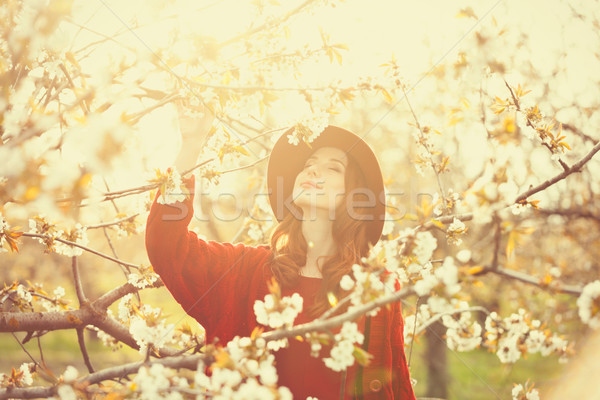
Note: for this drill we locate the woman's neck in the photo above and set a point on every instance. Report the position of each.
(320, 243)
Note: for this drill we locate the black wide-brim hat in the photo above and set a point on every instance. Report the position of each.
(287, 160)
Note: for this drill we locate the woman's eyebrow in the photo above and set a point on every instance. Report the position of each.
(335, 159)
(312, 158)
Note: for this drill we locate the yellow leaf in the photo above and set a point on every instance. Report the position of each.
(466, 13)
(520, 92)
(454, 120)
(527, 230)
(226, 79)
(222, 359)
(361, 356)
(332, 299)
(32, 193)
(474, 270)
(338, 56)
(11, 236)
(388, 97)
(71, 57)
(410, 216)
(437, 223)
(510, 245)
(241, 149)
(256, 332)
(341, 46)
(345, 95)
(547, 279)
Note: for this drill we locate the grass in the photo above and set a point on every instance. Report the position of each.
(479, 374)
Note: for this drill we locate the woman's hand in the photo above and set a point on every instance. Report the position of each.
(194, 131)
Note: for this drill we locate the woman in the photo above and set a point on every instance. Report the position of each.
(329, 199)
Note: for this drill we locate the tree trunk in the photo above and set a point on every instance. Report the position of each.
(436, 361)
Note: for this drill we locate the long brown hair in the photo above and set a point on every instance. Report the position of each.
(349, 234)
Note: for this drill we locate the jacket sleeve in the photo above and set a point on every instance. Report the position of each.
(214, 282)
(401, 383)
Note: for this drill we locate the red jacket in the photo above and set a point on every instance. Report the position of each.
(217, 284)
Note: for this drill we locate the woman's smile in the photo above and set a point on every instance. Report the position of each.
(311, 184)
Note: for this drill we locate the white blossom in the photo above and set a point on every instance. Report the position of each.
(427, 282)
(448, 275)
(508, 351)
(587, 304)
(341, 355)
(151, 381)
(456, 228)
(280, 313)
(463, 256)
(516, 391)
(462, 335)
(76, 235)
(388, 225)
(254, 232)
(59, 292)
(519, 391)
(26, 378)
(3, 228)
(425, 245)
(293, 139)
(275, 345)
(66, 392)
(346, 283)
(142, 278)
(24, 294)
(155, 333)
(70, 374)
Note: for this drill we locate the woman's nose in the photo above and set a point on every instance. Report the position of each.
(313, 170)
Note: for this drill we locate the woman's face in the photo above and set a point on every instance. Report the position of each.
(321, 183)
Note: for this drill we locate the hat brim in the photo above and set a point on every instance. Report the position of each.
(287, 160)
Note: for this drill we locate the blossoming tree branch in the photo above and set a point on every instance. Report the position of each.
(491, 216)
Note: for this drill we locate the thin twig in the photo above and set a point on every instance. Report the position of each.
(83, 348)
(39, 344)
(437, 173)
(497, 239)
(25, 350)
(115, 222)
(77, 279)
(266, 25)
(525, 278)
(40, 236)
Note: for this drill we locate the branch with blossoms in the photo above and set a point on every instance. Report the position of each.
(335, 321)
(568, 171)
(521, 199)
(49, 240)
(534, 119)
(113, 373)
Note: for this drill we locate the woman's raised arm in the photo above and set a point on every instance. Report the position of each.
(214, 282)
